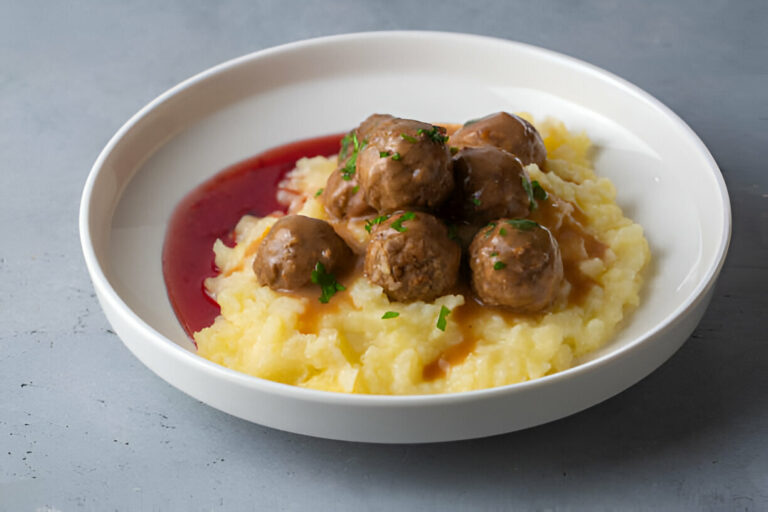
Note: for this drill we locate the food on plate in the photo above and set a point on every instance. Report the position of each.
(516, 263)
(428, 259)
(411, 256)
(506, 131)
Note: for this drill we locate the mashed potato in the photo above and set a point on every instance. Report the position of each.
(348, 347)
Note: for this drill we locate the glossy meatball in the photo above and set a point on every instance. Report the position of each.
(295, 244)
(412, 258)
(516, 263)
(490, 183)
(342, 198)
(405, 165)
(506, 131)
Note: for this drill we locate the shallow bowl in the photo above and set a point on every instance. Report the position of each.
(665, 177)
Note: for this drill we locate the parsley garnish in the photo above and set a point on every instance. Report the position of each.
(408, 138)
(327, 282)
(345, 144)
(355, 189)
(475, 201)
(452, 232)
(390, 314)
(538, 191)
(529, 190)
(491, 226)
(372, 222)
(503, 232)
(444, 312)
(349, 167)
(319, 191)
(436, 134)
(384, 154)
(454, 150)
(494, 254)
(398, 224)
(396, 156)
(499, 265)
(523, 224)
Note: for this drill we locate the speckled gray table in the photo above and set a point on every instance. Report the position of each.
(84, 426)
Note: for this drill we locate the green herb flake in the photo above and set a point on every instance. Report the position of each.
(436, 134)
(328, 284)
(349, 167)
(523, 224)
(372, 222)
(454, 150)
(397, 156)
(408, 138)
(494, 254)
(491, 226)
(475, 201)
(499, 265)
(319, 192)
(453, 232)
(384, 154)
(398, 224)
(503, 232)
(390, 314)
(529, 190)
(345, 144)
(355, 189)
(538, 191)
(441, 322)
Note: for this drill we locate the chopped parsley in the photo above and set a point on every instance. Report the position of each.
(355, 189)
(384, 154)
(491, 226)
(345, 145)
(396, 156)
(390, 314)
(408, 138)
(529, 190)
(494, 254)
(327, 282)
(319, 191)
(503, 232)
(444, 312)
(398, 224)
(454, 150)
(452, 232)
(523, 224)
(349, 167)
(499, 265)
(538, 191)
(372, 222)
(436, 134)
(475, 201)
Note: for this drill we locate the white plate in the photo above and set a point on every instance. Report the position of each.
(666, 180)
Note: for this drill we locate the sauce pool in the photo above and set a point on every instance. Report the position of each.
(212, 210)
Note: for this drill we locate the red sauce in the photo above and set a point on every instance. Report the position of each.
(212, 210)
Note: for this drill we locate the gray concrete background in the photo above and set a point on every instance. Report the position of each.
(84, 426)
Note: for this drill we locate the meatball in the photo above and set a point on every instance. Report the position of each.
(516, 263)
(405, 164)
(490, 183)
(411, 256)
(295, 244)
(343, 198)
(506, 131)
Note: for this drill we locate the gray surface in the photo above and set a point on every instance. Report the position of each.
(84, 426)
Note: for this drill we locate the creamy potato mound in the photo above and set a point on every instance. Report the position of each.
(352, 349)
